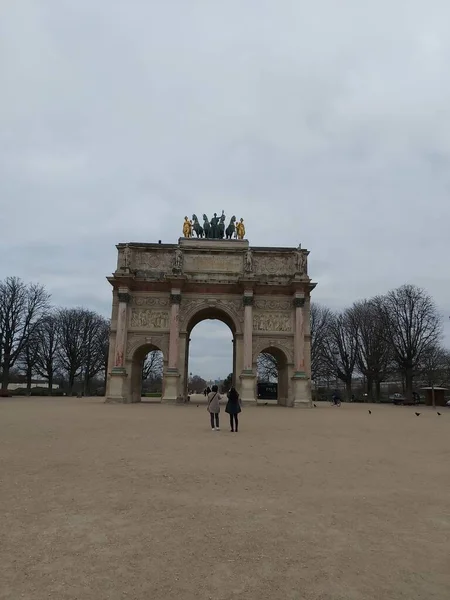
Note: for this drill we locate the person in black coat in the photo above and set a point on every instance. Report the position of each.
(233, 408)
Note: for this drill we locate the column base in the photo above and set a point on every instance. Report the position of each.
(247, 378)
(171, 386)
(117, 389)
(301, 390)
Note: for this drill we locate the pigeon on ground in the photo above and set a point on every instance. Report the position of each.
(197, 405)
(439, 414)
(265, 403)
(370, 412)
(315, 406)
(417, 414)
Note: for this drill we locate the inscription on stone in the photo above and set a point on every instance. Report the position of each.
(272, 322)
(211, 263)
(149, 301)
(269, 304)
(151, 319)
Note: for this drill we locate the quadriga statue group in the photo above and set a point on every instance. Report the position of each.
(214, 229)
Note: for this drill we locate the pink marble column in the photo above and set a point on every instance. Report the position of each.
(121, 332)
(174, 339)
(299, 335)
(248, 332)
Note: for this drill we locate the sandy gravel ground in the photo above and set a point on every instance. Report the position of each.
(145, 502)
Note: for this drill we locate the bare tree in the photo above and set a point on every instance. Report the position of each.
(413, 326)
(21, 308)
(153, 365)
(197, 384)
(227, 383)
(78, 354)
(341, 347)
(321, 317)
(96, 342)
(374, 354)
(48, 348)
(103, 347)
(267, 367)
(28, 358)
(434, 365)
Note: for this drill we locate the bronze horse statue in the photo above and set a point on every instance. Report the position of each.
(197, 227)
(231, 229)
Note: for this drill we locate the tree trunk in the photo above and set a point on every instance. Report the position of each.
(378, 390)
(29, 377)
(348, 389)
(5, 376)
(71, 383)
(370, 388)
(409, 384)
(50, 382)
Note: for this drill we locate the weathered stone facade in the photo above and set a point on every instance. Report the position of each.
(161, 291)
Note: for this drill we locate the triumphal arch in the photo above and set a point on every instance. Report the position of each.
(161, 291)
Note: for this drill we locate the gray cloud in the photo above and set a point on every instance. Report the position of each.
(324, 123)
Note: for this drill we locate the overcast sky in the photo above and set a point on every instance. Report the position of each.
(325, 123)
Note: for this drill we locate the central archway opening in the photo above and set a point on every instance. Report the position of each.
(272, 376)
(210, 353)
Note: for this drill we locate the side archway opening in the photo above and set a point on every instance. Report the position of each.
(147, 373)
(272, 376)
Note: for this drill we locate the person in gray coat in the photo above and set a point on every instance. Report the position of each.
(214, 407)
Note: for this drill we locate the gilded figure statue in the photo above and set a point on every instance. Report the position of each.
(187, 228)
(240, 229)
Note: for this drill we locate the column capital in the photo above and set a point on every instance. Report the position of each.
(248, 300)
(175, 298)
(123, 297)
(299, 301)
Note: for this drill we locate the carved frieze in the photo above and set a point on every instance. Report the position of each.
(272, 304)
(272, 321)
(150, 319)
(213, 263)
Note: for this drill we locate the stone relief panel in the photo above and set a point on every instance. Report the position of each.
(273, 304)
(149, 301)
(284, 344)
(136, 341)
(211, 263)
(273, 265)
(272, 321)
(150, 319)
